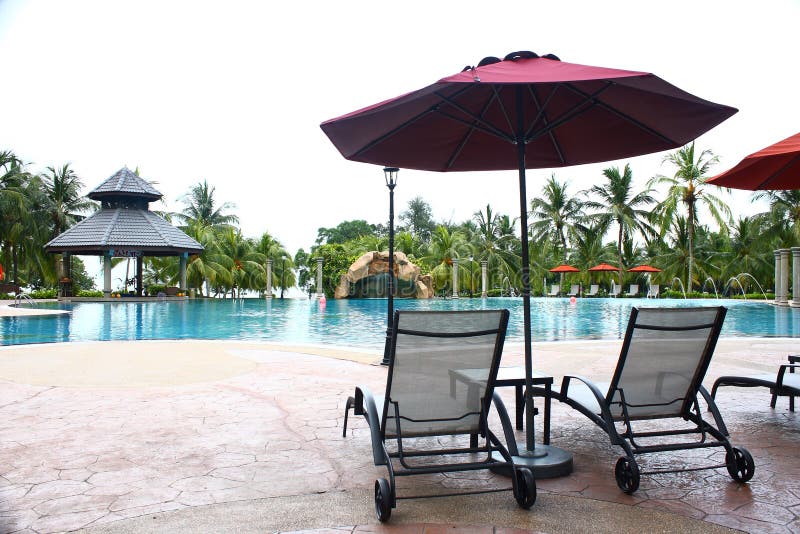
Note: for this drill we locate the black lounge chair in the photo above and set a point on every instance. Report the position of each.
(422, 402)
(782, 384)
(664, 357)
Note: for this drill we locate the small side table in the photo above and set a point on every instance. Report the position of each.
(512, 376)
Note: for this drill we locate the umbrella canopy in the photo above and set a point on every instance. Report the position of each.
(565, 269)
(525, 111)
(603, 267)
(560, 113)
(644, 269)
(774, 167)
(2, 275)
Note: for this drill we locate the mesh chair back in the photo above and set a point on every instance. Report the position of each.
(442, 371)
(664, 359)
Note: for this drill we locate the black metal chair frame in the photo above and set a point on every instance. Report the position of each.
(494, 453)
(776, 386)
(738, 461)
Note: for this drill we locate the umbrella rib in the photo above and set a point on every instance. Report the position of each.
(463, 142)
(777, 173)
(543, 116)
(618, 113)
(402, 126)
(482, 126)
(586, 105)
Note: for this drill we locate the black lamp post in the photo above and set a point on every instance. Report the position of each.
(390, 173)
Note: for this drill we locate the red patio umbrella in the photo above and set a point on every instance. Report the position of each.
(644, 269)
(521, 112)
(603, 267)
(774, 167)
(2, 275)
(564, 269)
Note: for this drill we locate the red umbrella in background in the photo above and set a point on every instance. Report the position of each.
(644, 269)
(521, 112)
(564, 269)
(603, 267)
(774, 167)
(2, 275)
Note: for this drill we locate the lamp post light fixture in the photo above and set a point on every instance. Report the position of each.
(390, 174)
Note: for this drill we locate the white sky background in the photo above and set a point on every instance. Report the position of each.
(234, 92)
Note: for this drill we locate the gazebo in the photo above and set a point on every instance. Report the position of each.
(123, 227)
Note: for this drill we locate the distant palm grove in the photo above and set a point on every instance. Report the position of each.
(611, 222)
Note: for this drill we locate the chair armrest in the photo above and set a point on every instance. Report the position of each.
(505, 422)
(605, 413)
(365, 405)
(794, 358)
(782, 371)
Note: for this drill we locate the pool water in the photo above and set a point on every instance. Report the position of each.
(357, 323)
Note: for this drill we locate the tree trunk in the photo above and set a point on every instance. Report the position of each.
(691, 245)
(619, 253)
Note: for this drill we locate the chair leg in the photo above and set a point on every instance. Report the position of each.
(347, 407)
(775, 399)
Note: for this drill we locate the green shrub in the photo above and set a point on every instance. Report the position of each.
(43, 293)
(88, 293)
(155, 289)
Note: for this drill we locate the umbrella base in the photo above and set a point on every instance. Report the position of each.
(545, 461)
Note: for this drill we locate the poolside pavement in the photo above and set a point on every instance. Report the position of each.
(196, 436)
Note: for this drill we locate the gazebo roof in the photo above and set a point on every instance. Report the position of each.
(125, 183)
(127, 230)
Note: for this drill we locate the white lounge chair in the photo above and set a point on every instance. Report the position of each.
(574, 290)
(652, 293)
(633, 291)
(593, 290)
(555, 289)
(615, 290)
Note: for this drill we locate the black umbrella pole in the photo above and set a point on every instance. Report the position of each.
(390, 281)
(530, 443)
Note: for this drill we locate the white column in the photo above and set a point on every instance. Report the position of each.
(107, 276)
(777, 254)
(784, 277)
(795, 302)
(320, 292)
(484, 279)
(455, 278)
(183, 258)
(269, 279)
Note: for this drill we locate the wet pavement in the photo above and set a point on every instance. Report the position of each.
(255, 439)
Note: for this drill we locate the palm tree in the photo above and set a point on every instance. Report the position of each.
(494, 243)
(555, 214)
(618, 204)
(686, 187)
(63, 189)
(750, 252)
(201, 207)
(246, 265)
(283, 275)
(784, 213)
(444, 248)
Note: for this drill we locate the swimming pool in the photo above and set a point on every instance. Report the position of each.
(358, 323)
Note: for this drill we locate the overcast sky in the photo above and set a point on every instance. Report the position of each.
(234, 92)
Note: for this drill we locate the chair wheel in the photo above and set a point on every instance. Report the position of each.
(627, 474)
(740, 464)
(526, 488)
(383, 500)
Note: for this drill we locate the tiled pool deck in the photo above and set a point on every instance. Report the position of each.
(131, 437)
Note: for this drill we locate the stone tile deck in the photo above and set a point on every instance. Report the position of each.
(172, 454)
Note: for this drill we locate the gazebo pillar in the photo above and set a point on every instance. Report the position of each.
(183, 257)
(269, 279)
(455, 278)
(777, 254)
(484, 279)
(320, 292)
(139, 274)
(784, 300)
(107, 275)
(795, 302)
